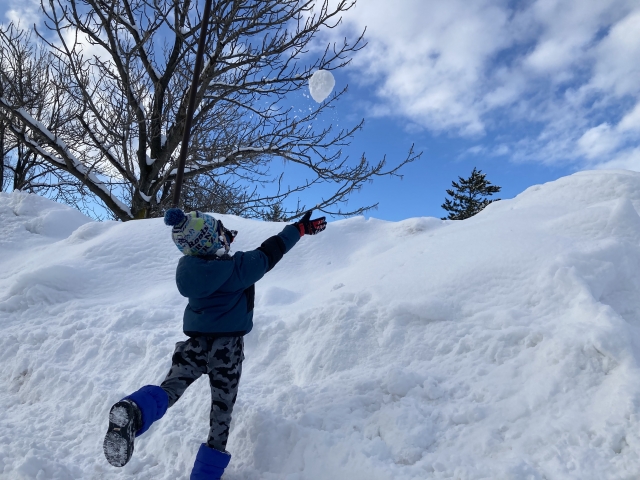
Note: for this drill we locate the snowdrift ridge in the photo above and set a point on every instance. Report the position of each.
(502, 346)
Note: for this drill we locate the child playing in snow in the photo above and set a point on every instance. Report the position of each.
(220, 289)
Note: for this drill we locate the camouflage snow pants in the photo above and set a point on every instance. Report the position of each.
(221, 359)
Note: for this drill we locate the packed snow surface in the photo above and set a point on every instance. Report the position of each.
(504, 346)
(321, 85)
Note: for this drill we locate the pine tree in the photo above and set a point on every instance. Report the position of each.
(469, 196)
(275, 214)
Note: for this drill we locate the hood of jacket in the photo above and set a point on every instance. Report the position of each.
(200, 277)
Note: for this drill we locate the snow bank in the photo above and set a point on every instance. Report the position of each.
(503, 346)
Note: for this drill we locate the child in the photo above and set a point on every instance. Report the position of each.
(221, 291)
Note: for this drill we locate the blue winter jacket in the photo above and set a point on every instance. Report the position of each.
(221, 290)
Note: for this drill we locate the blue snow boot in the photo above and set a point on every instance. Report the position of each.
(130, 417)
(210, 463)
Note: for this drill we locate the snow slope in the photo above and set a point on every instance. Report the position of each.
(504, 346)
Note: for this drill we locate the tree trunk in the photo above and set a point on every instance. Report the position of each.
(3, 129)
(19, 171)
(2, 154)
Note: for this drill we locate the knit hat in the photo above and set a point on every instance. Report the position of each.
(195, 233)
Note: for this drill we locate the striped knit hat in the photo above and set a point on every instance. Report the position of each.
(195, 233)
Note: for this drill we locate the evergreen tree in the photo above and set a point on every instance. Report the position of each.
(275, 214)
(469, 196)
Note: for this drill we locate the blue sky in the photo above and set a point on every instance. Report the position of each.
(526, 91)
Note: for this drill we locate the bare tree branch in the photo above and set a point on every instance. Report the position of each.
(120, 71)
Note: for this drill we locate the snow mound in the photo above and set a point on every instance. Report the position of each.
(321, 85)
(503, 346)
(24, 214)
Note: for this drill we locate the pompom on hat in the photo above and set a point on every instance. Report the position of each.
(195, 233)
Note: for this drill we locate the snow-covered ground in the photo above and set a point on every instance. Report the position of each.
(505, 346)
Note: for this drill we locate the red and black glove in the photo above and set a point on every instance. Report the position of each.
(306, 226)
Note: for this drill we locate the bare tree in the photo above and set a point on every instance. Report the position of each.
(123, 70)
(5, 151)
(25, 82)
(21, 71)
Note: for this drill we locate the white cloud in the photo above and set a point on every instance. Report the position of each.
(631, 121)
(502, 149)
(568, 67)
(617, 67)
(428, 56)
(599, 141)
(25, 13)
(628, 159)
(613, 142)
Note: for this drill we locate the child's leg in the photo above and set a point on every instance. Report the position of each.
(225, 367)
(130, 418)
(189, 362)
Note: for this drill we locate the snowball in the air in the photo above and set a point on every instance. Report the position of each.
(321, 85)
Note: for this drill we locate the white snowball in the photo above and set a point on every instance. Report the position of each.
(321, 85)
